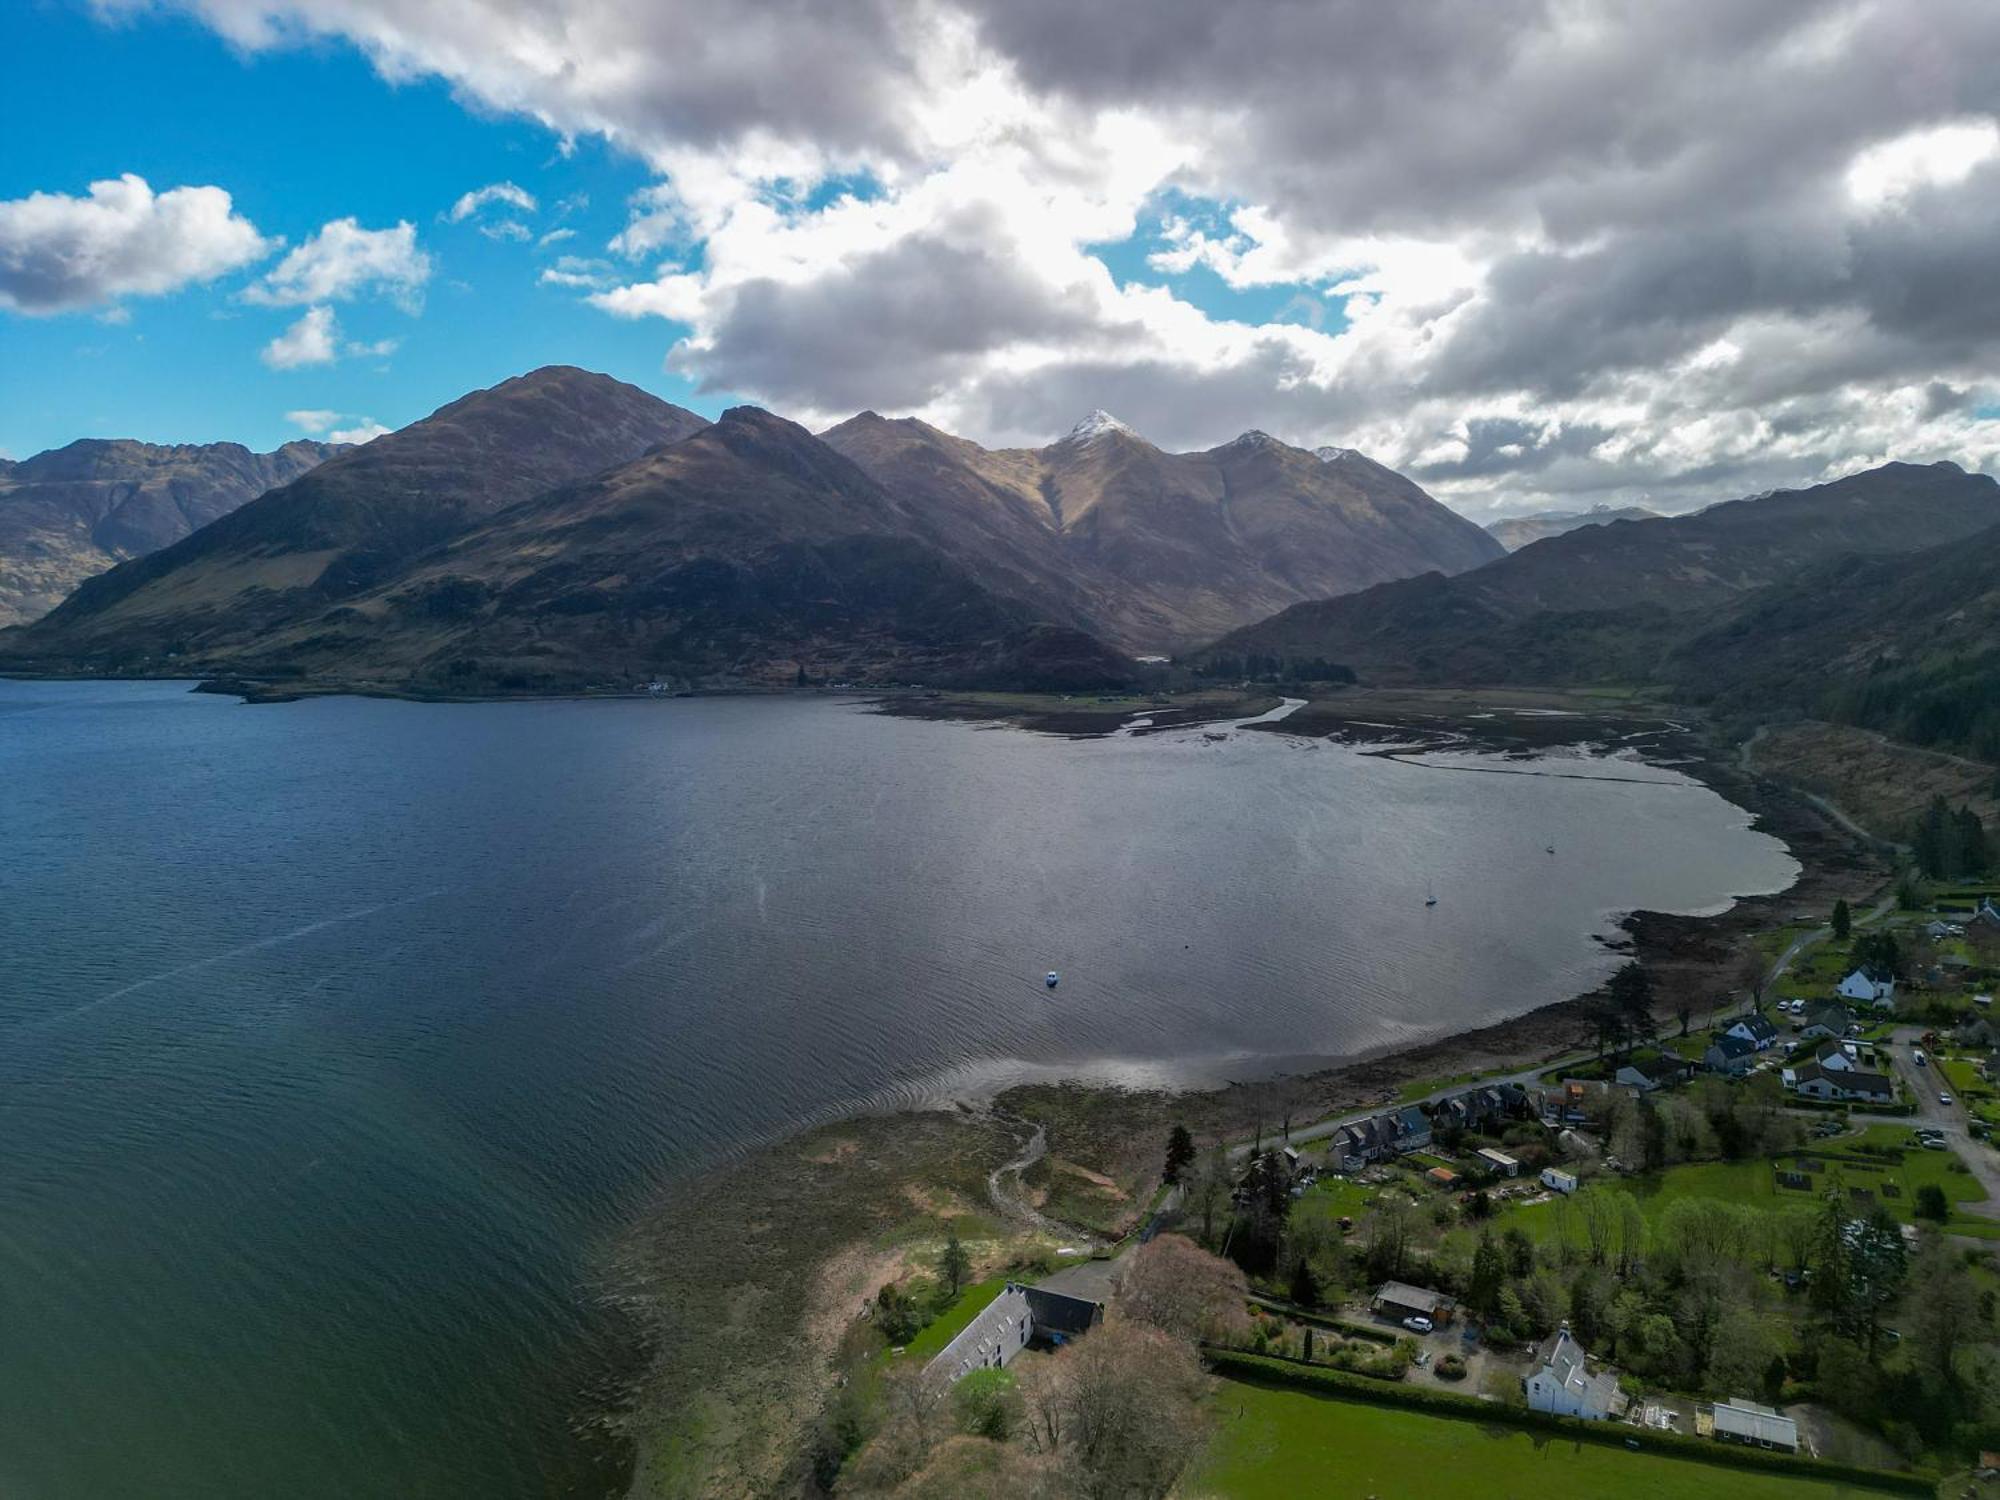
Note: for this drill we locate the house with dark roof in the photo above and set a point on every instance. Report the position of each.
(1868, 990)
(1756, 1029)
(1729, 1054)
(1399, 1300)
(1814, 1080)
(1827, 1018)
(1020, 1317)
(1413, 1130)
(1649, 1073)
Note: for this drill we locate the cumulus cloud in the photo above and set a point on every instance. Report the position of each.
(508, 193)
(577, 271)
(1568, 253)
(313, 340)
(318, 422)
(342, 261)
(59, 253)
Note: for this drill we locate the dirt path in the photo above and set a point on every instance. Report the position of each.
(1013, 1201)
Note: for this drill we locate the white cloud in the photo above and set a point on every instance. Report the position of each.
(312, 420)
(344, 260)
(507, 229)
(366, 430)
(1570, 252)
(576, 271)
(313, 340)
(1941, 156)
(470, 203)
(555, 237)
(59, 253)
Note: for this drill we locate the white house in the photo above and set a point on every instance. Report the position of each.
(1817, 1081)
(1561, 1382)
(1880, 993)
(1558, 1181)
(1757, 1030)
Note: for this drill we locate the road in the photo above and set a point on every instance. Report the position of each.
(1925, 1085)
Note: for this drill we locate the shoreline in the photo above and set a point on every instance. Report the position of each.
(884, 1183)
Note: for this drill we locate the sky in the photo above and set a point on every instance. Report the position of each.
(1536, 255)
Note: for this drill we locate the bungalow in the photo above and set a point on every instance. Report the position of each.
(1647, 1074)
(1740, 1421)
(1827, 1018)
(1937, 930)
(1398, 1300)
(1987, 911)
(1019, 1316)
(1864, 987)
(1815, 1081)
(1560, 1381)
(1559, 1181)
(1498, 1162)
(1729, 1054)
(1755, 1029)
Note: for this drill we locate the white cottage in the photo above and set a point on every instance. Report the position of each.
(1561, 1382)
(1861, 986)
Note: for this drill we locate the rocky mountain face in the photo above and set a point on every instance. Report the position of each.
(1516, 532)
(1613, 603)
(1158, 550)
(563, 530)
(354, 521)
(71, 513)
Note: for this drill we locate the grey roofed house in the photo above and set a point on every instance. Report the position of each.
(1019, 1316)
(1413, 1130)
(1827, 1018)
(1647, 1074)
(1729, 1054)
(1560, 1381)
(1819, 1082)
(1740, 1421)
(1755, 1027)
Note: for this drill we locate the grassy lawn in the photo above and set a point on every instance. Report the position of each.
(1961, 1075)
(1755, 1183)
(1335, 1197)
(1282, 1443)
(950, 1323)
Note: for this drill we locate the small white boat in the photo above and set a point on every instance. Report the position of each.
(1052, 979)
(1430, 894)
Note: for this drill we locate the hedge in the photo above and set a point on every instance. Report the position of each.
(1263, 1370)
(1321, 1320)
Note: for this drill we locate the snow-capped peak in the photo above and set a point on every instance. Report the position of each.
(1331, 455)
(1098, 424)
(1256, 437)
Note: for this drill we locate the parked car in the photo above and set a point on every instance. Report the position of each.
(1418, 1323)
(1944, 1099)
(1917, 1056)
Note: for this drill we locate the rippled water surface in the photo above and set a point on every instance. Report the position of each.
(335, 1036)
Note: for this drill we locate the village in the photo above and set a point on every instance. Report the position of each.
(1764, 1241)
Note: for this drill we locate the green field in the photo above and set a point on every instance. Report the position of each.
(1755, 1183)
(948, 1324)
(1284, 1443)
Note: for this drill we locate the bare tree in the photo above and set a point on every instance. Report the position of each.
(1174, 1285)
(1121, 1411)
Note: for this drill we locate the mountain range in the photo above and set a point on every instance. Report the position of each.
(73, 512)
(1515, 532)
(1883, 582)
(563, 529)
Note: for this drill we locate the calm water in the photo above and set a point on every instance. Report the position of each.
(335, 1036)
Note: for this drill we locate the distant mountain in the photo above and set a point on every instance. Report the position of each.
(562, 530)
(1515, 532)
(1906, 644)
(73, 512)
(1605, 603)
(353, 522)
(1157, 550)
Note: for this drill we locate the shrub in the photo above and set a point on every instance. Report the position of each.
(1450, 1367)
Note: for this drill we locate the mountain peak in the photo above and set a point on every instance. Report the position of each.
(1334, 455)
(1098, 424)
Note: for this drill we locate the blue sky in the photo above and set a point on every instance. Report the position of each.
(297, 137)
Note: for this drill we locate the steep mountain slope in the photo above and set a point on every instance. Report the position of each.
(1515, 532)
(1909, 645)
(353, 521)
(73, 512)
(1161, 549)
(749, 552)
(1608, 602)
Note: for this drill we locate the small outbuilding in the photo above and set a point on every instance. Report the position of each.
(1396, 1299)
(1559, 1181)
(1498, 1162)
(1740, 1421)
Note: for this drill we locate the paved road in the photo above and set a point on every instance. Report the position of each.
(1926, 1084)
